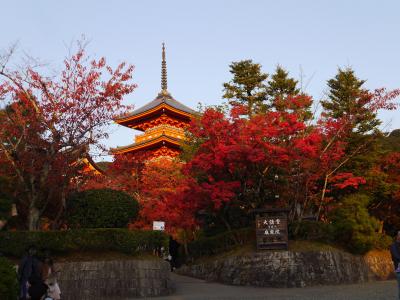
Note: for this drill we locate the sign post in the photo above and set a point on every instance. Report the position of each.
(271, 229)
(159, 225)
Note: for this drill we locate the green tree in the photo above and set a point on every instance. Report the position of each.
(346, 98)
(354, 227)
(248, 86)
(279, 90)
(102, 208)
(281, 85)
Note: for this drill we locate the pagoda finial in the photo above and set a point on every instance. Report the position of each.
(163, 71)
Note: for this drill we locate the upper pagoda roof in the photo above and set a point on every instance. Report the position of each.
(162, 98)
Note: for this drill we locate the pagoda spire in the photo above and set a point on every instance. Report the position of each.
(164, 85)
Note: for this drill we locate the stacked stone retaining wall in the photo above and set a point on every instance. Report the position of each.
(114, 279)
(294, 269)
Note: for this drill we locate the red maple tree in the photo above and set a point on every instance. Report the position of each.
(49, 122)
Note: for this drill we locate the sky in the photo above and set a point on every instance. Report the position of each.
(309, 38)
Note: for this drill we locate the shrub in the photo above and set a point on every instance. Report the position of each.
(8, 280)
(103, 208)
(311, 231)
(220, 243)
(14, 243)
(354, 228)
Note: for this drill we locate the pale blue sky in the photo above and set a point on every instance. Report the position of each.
(204, 37)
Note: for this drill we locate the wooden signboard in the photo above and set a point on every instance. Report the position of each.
(272, 229)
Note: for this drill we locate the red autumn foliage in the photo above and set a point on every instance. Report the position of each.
(50, 122)
(164, 196)
(344, 180)
(246, 162)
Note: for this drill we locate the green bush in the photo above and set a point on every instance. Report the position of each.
(14, 243)
(103, 208)
(354, 228)
(220, 243)
(311, 231)
(8, 280)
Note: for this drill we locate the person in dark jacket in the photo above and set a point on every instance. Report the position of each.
(173, 252)
(28, 267)
(37, 288)
(395, 252)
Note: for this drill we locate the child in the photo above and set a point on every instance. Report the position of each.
(54, 290)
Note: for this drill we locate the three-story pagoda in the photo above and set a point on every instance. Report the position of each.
(162, 122)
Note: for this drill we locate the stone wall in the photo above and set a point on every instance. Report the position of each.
(294, 269)
(114, 279)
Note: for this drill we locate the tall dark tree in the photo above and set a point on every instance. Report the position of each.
(281, 85)
(248, 86)
(349, 101)
(280, 88)
(347, 98)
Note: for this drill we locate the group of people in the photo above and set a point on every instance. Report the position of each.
(37, 277)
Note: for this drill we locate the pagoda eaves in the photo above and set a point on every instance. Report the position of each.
(163, 104)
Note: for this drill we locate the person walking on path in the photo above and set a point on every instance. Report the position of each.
(395, 252)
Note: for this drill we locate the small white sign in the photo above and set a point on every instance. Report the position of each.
(159, 225)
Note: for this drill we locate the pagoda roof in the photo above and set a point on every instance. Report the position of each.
(146, 144)
(163, 99)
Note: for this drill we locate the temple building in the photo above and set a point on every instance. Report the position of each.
(162, 122)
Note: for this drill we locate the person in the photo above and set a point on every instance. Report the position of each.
(49, 277)
(37, 288)
(28, 270)
(395, 252)
(53, 291)
(174, 252)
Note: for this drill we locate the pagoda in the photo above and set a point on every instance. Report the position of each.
(162, 122)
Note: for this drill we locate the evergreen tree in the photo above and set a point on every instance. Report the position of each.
(280, 87)
(346, 98)
(248, 86)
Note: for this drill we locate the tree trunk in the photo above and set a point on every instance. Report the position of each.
(33, 219)
(185, 244)
(228, 226)
(322, 197)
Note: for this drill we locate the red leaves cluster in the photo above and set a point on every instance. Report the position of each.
(239, 156)
(165, 195)
(344, 180)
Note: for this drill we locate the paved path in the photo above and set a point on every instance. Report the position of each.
(190, 288)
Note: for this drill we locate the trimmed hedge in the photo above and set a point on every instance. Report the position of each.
(8, 280)
(102, 208)
(220, 243)
(15, 243)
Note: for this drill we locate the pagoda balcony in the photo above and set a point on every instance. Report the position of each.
(160, 130)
